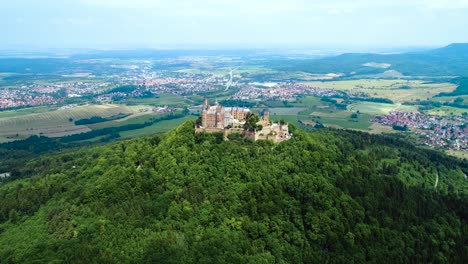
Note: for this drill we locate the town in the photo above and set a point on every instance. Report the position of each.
(438, 131)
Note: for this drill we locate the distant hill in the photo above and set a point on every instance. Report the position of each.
(453, 50)
(451, 60)
(181, 197)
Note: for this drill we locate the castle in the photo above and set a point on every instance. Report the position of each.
(229, 120)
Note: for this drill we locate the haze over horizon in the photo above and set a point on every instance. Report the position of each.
(123, 24)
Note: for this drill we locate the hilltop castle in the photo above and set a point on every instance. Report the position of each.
(231, 120)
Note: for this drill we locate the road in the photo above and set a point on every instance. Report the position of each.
(229, 83)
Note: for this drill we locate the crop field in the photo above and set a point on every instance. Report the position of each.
(396, 90)
(56, 123)
(26, 111)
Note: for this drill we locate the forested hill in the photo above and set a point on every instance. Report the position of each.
(325, 196)
(451, 60)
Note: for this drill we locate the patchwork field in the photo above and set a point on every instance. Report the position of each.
(396, 90)
(56, 123)
(26, 111)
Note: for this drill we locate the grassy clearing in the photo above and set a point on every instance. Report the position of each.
(395, 90)
(457, 153)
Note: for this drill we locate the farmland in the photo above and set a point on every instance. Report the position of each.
(120, 93)
(56, 123)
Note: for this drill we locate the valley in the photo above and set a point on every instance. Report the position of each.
(139, 87)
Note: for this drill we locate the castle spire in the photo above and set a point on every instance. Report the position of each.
(205, 102)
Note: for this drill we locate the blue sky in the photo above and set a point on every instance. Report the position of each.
(112, 24)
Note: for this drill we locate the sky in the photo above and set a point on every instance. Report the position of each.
(127, 24)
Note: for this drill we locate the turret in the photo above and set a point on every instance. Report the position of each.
(266, 116)
(205, 103)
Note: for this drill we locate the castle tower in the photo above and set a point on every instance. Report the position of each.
(204, 118)
(219, 119)
(266, 116)
(205, 104)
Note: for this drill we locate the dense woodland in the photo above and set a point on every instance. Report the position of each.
(323, 196)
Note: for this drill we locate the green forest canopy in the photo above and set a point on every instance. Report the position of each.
(181, 197)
